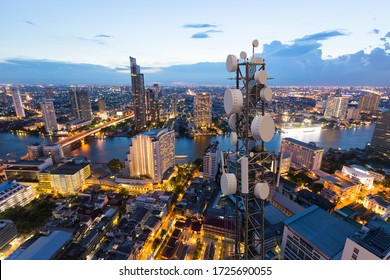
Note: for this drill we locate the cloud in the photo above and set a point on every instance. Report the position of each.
(29, 22)
(325, 35)
(102, 36)
(96, 41)
(200, 36)
(387, 35)
(200, 25)
(375, 31)
(213, 31)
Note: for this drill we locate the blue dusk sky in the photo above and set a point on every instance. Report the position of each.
(304, 42)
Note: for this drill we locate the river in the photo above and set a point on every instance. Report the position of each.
(103, 150)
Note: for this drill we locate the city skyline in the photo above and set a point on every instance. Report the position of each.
(177, 43)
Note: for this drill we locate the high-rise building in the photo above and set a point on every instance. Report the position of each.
(14, 194)
(17, 100)
(48, 93)
(306, 155)
(152, 108)
(210, 161)
(173, 112)
(49, 115)
(3, 96)
(369, 103)
(336, 107)
(81, 104)
(8, 232)
(151, 154)
(138, 89)
(35, 151)
(353, 113)
(54, 151)
(202, 110)
(381, 138)
(372, 242)
(314, 234)
(102, 105)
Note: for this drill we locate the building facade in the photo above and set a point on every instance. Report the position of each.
(336, 107)
(210, 161)
(314, 234)
(202, 110)
(139, 98)
(17, 100)
(81, 104)
(369, 103)
(151, 154)
(303, 154)
(54, 151)
(14, 194)
(381, 138)
(49, 115)
(8, 232)
(70, 177)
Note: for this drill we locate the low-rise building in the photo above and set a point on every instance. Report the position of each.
(377, 204)
(14, 194)
(8, 232)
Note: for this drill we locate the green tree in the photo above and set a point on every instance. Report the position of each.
(115, 164)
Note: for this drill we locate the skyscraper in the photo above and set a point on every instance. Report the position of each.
(81, 104)
(152, 112)
(151, 154)
(336, 107)
(3, 96)
(369, 103)
(17, 100)
(138, 89)
(381, 139)
(49, 115)
(102, 105)
(54, 151)
(210, 161)
(202, 110)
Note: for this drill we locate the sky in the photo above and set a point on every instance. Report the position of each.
(304, 42)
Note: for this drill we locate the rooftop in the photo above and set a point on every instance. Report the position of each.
(69, 168)
(46, 247)
(303, 144)
(321, 229)
(7, 184)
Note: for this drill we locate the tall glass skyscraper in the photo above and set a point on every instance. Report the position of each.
(17, 100)
(138, 89)
(49, 115)
(81, 104)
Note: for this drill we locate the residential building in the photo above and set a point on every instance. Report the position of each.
(102, 105)
(81, 104)
(353, 114)
(17, 100)
(8, 232)
(49, 115)
(369, 103)
(139, 98)
(377, 204)
(381, 138)
(151, 154)
(70, 177)
(314, 234)
(336, 107)
(202, 110)
(15, 194)
(3, 97)
(210, 161)
(344, 186)
(54, 151)
(370, 243)
(306, 155)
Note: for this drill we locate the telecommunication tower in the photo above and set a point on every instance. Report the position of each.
(249, 171)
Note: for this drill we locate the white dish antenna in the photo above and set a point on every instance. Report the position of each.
(263, 128)
(231, 63)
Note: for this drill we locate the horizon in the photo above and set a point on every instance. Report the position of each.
(303, 43)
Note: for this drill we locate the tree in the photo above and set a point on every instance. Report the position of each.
(115, 164)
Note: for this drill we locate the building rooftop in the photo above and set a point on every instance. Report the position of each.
(303, 144)
(287, 203)
(45, 248)
(321, 229)
(6, 185)
(69, 168)
(379, 200)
